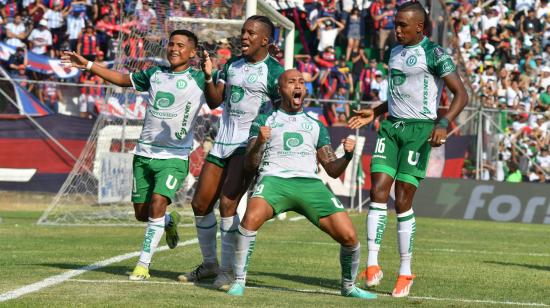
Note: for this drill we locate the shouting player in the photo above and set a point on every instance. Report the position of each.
(248, 86)
(419, 69)
(286, 145)
(160, 162)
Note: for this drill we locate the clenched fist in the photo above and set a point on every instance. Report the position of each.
(349, 145)
(264, 134)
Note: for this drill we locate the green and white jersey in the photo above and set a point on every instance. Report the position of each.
(250, 89)
(415, 79)
(173, 104)
(292, 149)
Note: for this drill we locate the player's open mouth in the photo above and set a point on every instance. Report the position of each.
(297, 97)
(244, 46)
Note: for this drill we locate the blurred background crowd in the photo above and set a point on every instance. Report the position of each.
(503, 48)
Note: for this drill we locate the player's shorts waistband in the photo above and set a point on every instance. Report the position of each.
(410, 121)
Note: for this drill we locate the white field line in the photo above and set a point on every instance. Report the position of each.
(322, 291)
(57, 279)
(465, 251)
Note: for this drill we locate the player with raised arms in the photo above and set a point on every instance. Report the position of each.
(419, 69)
(248, 86)
(160, 163)
(286, 145)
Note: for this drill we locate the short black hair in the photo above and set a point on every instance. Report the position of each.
(415, 7)
(190, 35)
(266, 21)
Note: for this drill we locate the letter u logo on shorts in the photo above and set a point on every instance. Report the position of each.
(171, 182)
(410, 158)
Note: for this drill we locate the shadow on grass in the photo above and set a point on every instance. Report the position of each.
(312, 281)
(531, 266)
(114, 270)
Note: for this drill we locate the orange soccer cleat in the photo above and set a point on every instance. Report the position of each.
(372, 275)
(403, 286)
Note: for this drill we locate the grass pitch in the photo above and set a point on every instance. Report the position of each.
(457, 264)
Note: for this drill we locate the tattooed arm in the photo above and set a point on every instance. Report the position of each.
(336, 166)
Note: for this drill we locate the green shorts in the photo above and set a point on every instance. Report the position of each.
(222, 162)
(157, 176)
(402, 149)
(307, 196)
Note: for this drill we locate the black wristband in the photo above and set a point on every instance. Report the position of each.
(348, 155)
(443, 123)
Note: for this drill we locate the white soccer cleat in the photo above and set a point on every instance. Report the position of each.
(223, 281)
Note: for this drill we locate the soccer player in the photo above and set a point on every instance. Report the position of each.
(419, 69)
(248, 86)
(160, 164)
(286, 146)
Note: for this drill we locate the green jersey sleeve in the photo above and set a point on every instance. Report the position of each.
(274, 71)
(198, 76)
(142, 80)
(255, 127)
(324, 137)
(221, 76)
(441, 64)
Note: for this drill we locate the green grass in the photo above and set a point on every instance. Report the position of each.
(294, 264)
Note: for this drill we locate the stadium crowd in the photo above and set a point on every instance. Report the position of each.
(503, 46)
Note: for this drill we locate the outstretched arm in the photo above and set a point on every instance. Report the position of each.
(73, 59)
(332, 165)
(365, 116)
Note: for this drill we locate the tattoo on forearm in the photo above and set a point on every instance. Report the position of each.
(326, 154)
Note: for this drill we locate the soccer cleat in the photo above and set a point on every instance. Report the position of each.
(223, 281)
(403, 286)
(358, 293)
(139, 273)
(172, 237)
(374, 275)
(236, 289)
(201, 272)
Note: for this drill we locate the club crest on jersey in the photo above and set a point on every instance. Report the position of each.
(252, 78)
(181, 84)
(411, 60)
(307, 126)
(237, 94)
(292, 140)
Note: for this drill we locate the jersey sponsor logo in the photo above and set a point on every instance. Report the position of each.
(237, 94)
(155, 79)
(397, 77)
(163, 100)
(183, 131)
(411, 60)
(413, 160)
(292, 140)
(448, 67)
(181, 84)
(252, 78)
(439, 52)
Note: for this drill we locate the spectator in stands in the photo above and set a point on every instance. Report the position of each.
(105, 28)
(41, 40)
(75, 25)
(327, 30)
(91, 95)
(87, 44)
(354, 31)
(55, 22)
(50, 94)
(16, 32)
(386, 23)
(380, 84)
(18, 60)
(309, 71)
(514, 174)
(146, 17)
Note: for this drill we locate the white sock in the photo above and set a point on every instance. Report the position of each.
(349, 262)
(406, 227)
(228, 229)
(206, 233)
(376, 224)
(153, 234)
(246, 240)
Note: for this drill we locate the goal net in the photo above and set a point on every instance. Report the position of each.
(98, 189)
